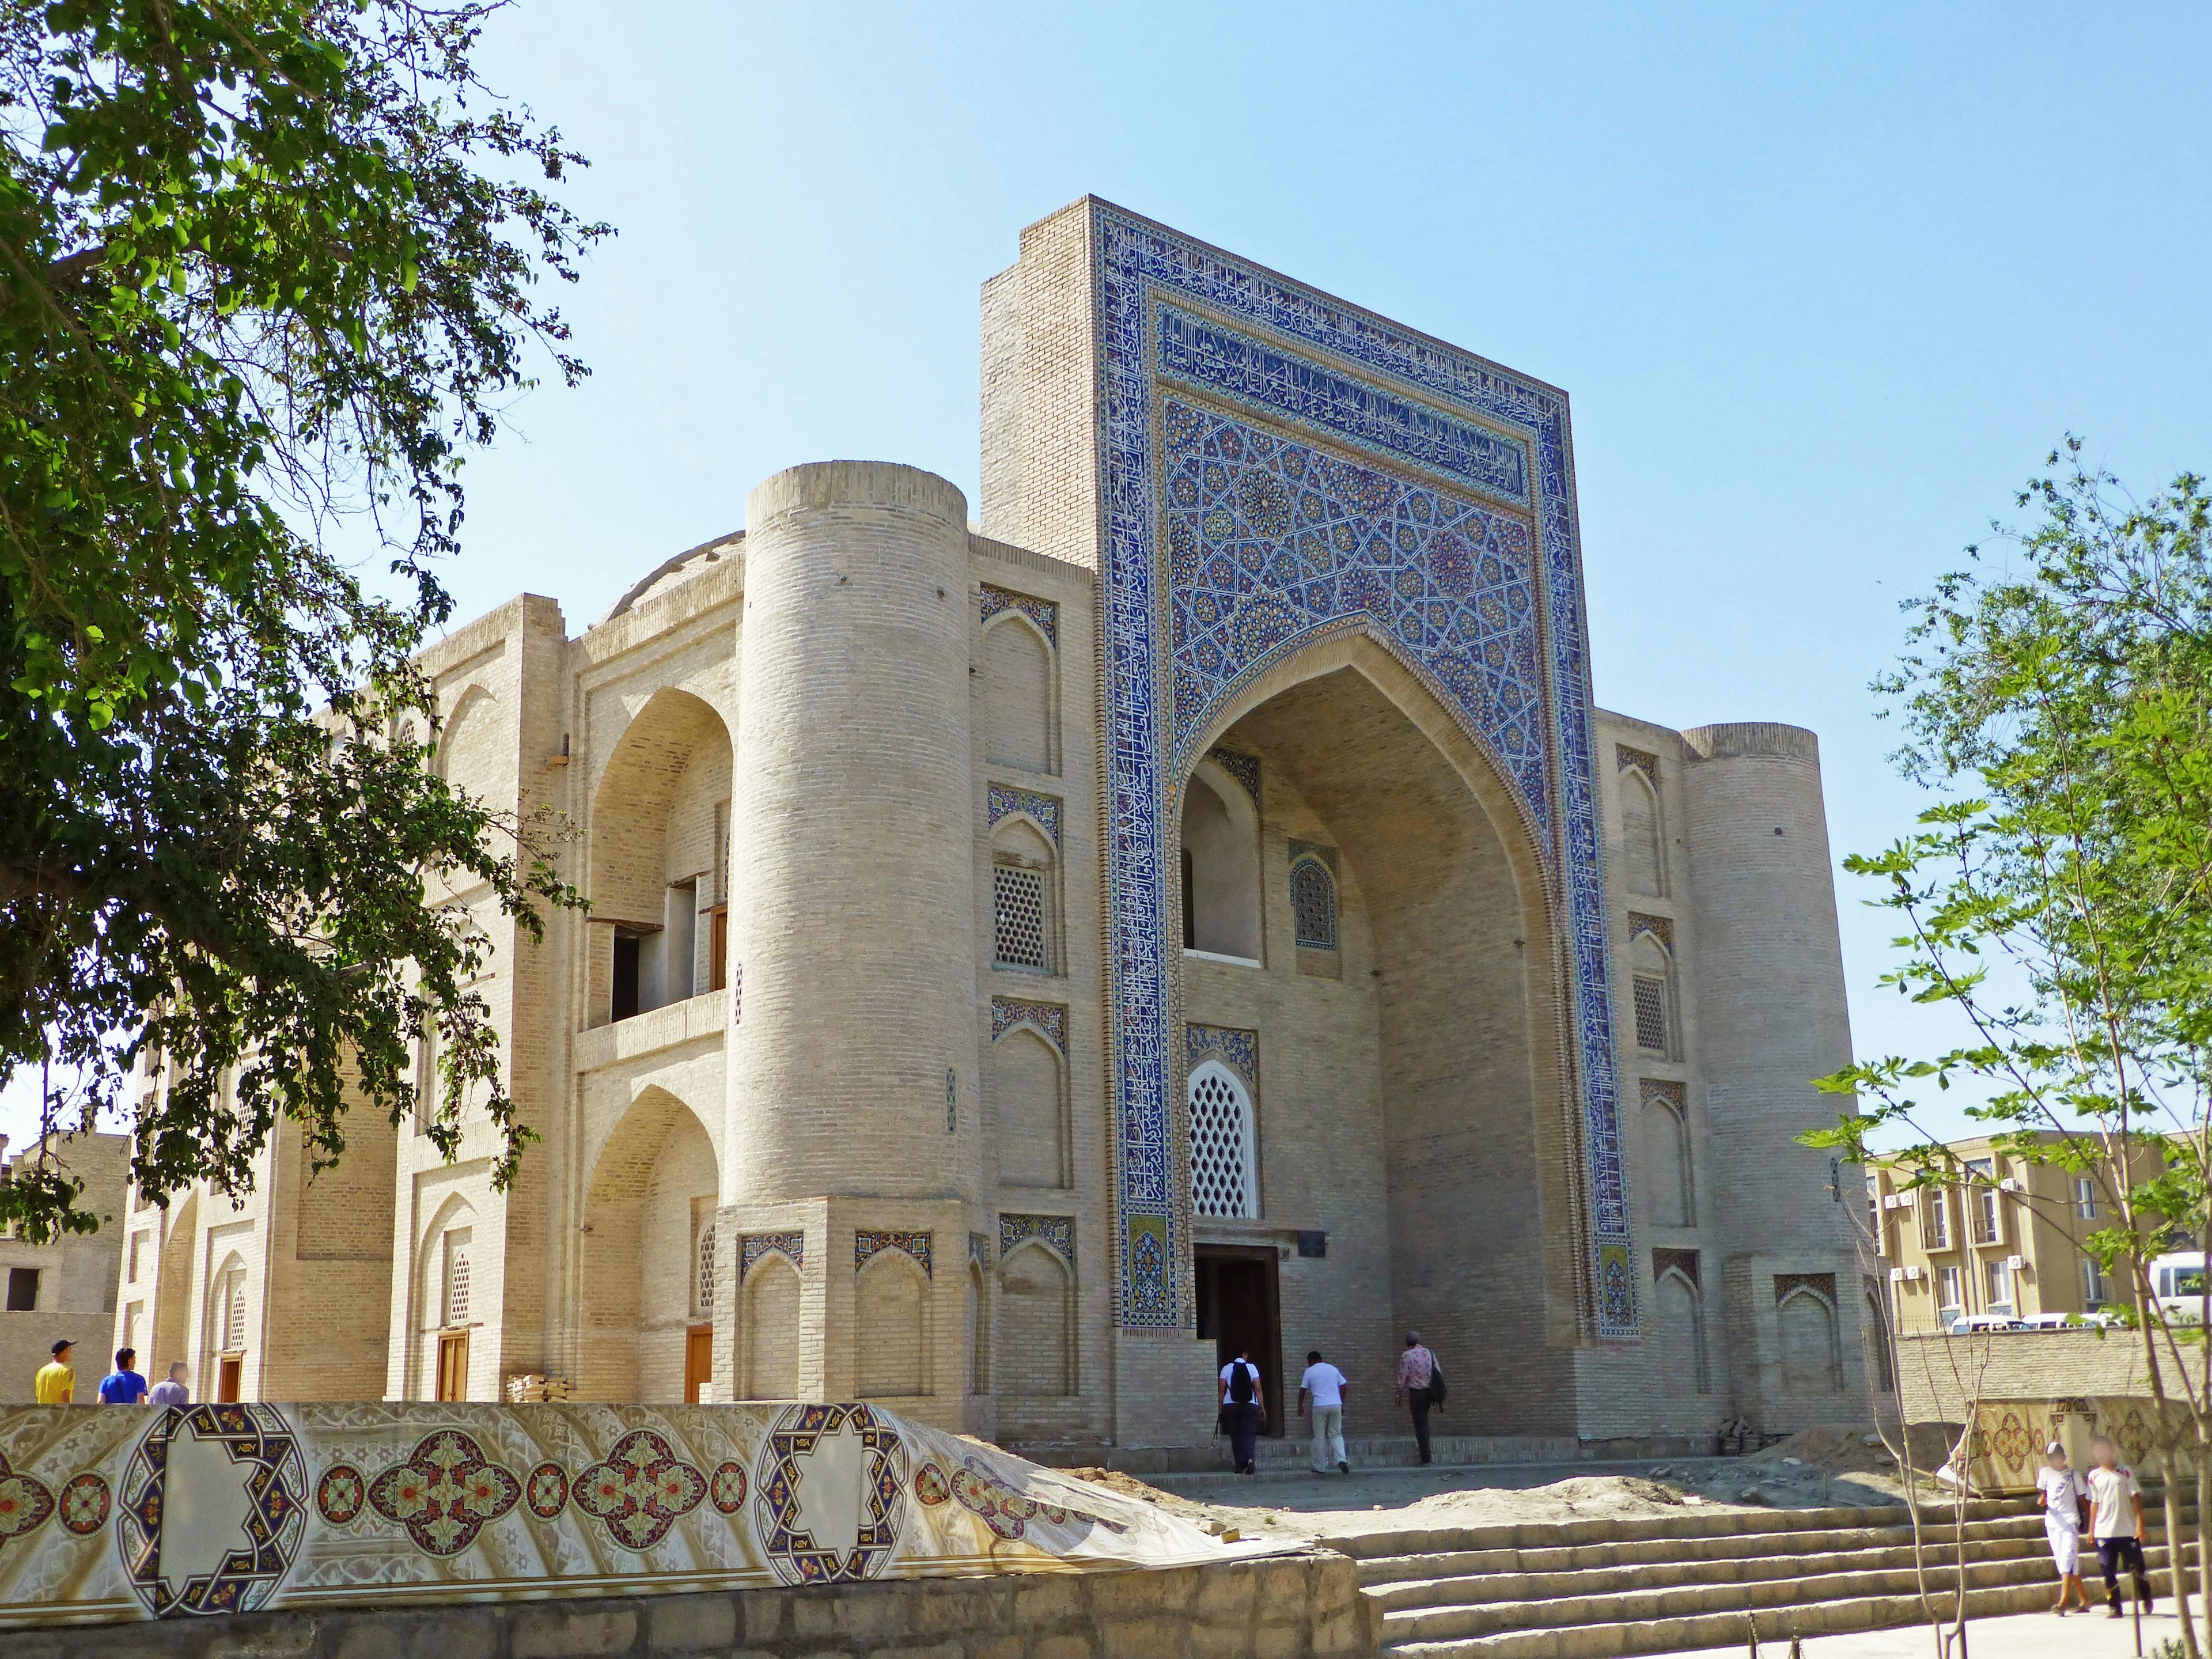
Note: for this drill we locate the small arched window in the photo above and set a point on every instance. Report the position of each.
(228, 1306)
(1225, 1174)
(1022, 919)
(1312, 904)
(1221, 836)
(1642, 848)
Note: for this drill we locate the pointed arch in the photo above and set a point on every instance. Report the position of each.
(1029, 1098)
(768, 1329)
(1037, 1314)
(1224, 1137)
(1666, 1158)
(1025, 897)
(1219, 837)
(1679, 1314)
(1651, 989)
(891, 1319)
(466, 754)
(1812, 1353)
(1643, 842)
(1020, 700)
(979, 1330)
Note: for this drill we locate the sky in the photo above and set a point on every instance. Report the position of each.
(1823, 284)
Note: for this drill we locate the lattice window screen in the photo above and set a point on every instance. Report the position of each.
(457, 1277)
(1313, 904)
(705, 1273)
(1221, 1163)
(1652, 1014)
(1017, 896)
(234, 1322)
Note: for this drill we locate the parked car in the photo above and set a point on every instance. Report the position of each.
(1968, 1324)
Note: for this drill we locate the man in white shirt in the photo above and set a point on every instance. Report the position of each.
(1244, 1408)
(1321, 1389)
(2115, 1522)
(2061, 1491)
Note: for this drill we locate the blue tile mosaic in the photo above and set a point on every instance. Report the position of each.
(868, 1242)
(1005, 802)
(1380, 426)
(1049, 1018)
(1239, 1050)
(1245, 768)
(1055, 1231)
(1044, 612)
(791, 1245)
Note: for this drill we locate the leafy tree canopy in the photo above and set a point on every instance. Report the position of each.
(267, 271)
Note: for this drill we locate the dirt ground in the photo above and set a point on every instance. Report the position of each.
(1816, 1468)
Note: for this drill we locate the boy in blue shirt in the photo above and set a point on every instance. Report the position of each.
(123, 1386)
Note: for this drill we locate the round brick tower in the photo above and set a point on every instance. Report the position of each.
(854, 910)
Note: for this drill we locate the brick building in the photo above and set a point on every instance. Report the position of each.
(2005, 1240)
(1192, 902)
(66, 1289)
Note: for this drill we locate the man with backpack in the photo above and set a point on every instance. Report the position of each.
(1420, 1385)
(1243, 1404)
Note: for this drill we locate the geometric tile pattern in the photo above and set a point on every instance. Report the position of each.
(1660, 927)
(1049, 1017)
(1231, 396)
(1643, 760)
(867, 1244)
(641, 1491)
(1044, 612)
(794, 1552)
(275, 1492)
(791, 1245)
(1055, 1231)
(1245, 768)
(1239, 1050)
(1003, 802)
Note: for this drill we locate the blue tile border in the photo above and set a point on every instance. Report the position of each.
(1423, 412)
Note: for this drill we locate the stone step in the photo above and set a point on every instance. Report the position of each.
(1699, 1523)
(1625, 1638)
(1613, 1580)
(1415, 1629)
(1984, 1540)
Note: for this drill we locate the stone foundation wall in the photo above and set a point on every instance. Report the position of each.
(1300, 1606)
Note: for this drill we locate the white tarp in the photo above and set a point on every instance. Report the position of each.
(110, 1513)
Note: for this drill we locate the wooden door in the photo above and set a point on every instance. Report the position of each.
(718, 949)
(227, 1371)
(698, 1363)
(453, 1365)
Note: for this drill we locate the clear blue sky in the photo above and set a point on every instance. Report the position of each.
(1824, 284)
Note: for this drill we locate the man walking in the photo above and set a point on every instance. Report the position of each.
(1416, 1371)
(2116, 1521)
(171, 1389)
(123, 1386)
(55, 1383)
(1244, 1403)
(1321, 1389)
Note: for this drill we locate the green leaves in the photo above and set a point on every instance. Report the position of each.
(254, 281)
(2059, 896)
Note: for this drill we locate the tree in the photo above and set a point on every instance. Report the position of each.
(2059, 898)
(267, 271)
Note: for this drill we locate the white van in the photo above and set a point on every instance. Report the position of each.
(1969, 1324)
(2177, 1284)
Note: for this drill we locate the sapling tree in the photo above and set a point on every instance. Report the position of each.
(2056, 696)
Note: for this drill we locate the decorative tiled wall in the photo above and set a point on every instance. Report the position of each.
(791, 1245)
(868, 1243)
(1278, 469)
(1056, 1231)
(1044, 612)
(1245, 768)
(1239, 1050)
(1049, 1017)
(1003, 802)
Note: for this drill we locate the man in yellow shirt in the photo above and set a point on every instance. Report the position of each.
(56, 1384)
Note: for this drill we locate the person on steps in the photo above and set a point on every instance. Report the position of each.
(1244, 1403)
(2116, 1521)
(2060, 1491)
(1417, 1372)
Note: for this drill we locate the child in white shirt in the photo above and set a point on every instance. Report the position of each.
(2116, 1521)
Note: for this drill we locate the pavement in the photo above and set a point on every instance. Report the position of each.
(2020, 1636)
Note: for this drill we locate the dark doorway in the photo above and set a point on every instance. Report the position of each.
(1238, 1306)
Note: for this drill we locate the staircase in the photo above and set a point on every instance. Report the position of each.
(1599, 1590)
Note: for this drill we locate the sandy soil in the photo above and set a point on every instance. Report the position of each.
(1830, 1465)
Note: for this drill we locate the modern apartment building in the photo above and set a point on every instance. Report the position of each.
(2007, 1240)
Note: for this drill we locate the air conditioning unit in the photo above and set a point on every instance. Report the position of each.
(2008, 1185)
(1912, 1272)
(2015, 1262)
(1897, 1275)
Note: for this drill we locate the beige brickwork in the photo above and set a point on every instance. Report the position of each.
(825, 738)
